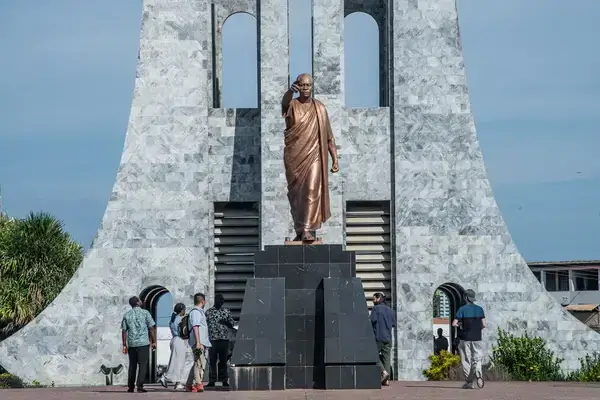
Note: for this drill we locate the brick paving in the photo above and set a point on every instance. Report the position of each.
(398, 390)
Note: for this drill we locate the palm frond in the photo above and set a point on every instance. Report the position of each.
(37, 259)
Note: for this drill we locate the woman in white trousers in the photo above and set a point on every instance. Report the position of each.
(182, 359)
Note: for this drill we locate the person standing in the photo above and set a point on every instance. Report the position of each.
(199, 342)
(182, 359)
(383, 320)
(220, 323)
(440, 343)
(138, 332)
(470, 319)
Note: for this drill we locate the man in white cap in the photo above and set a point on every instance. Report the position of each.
(470, 319)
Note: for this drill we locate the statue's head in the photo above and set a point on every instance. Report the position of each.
(305, 83)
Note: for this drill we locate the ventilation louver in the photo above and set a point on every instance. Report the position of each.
(368, 235)
(236, 234)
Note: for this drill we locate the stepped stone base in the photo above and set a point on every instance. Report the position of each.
(304, 323)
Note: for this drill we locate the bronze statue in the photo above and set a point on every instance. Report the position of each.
(308, 139)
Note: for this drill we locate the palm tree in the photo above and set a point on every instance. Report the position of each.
(37, 259)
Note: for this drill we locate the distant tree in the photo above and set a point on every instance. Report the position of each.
(37, 259)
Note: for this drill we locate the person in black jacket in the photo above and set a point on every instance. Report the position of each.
(383, 319)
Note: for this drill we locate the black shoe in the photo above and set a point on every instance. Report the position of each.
(210, 384)
(130, 390)
(141, 390)
(225, 384)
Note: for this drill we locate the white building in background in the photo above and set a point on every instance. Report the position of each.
(444, 305)
(570, 282)
(443, 301)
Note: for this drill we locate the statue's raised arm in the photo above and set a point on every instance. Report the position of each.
(308, 141)
(288, 96)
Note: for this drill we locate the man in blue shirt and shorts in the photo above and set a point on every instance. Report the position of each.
(470, 321)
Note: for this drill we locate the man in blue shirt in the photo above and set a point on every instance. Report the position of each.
(198, 341)
(383, 319)
(138, 334)
(470, 321)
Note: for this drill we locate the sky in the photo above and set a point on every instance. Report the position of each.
(67, 70)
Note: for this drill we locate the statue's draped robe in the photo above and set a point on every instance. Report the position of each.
(306, 163)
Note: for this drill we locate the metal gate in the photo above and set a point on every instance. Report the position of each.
(368, 234)
(236, 233)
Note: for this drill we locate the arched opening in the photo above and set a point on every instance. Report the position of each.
(159, 302)
(239, 52)
(361, 61)
(447, 299)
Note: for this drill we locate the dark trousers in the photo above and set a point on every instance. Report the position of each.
(138, 357)
(385, 355)
(220, 351)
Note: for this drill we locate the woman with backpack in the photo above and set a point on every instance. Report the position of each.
(181, 360)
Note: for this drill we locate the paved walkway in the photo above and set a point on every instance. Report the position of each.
(398, 390)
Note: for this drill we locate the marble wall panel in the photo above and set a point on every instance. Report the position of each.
(234, 154)
(366, 149)
(448, 225)
(156, 224)
(274, 54)
(328, 75)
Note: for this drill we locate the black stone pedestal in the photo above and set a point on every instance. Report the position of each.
(304, 323)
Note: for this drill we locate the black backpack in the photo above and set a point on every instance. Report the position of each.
(184, 328)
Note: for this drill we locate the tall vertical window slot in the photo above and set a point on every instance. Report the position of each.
(239, 62)
(361, 61)
(236, 230)
(300, 38)
(368, 235)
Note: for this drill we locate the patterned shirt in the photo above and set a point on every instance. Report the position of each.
(215, 318)
(136, 323)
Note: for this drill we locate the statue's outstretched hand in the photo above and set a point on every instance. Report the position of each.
(294, 88)
(335, 167)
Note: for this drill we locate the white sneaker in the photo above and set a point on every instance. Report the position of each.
(385, 376)
(179, 386)
(163, 381)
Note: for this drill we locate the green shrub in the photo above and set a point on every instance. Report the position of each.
(589, 370)
(495, 373)
(440, 366)
(526, 358)
(8, 381)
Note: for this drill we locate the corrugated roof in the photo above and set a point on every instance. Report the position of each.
(582, 307)
(574, 262)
